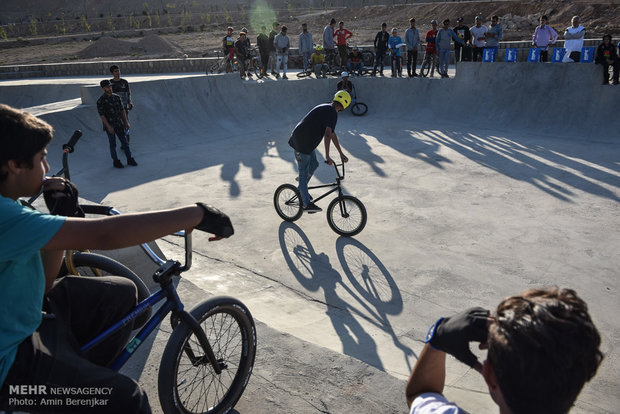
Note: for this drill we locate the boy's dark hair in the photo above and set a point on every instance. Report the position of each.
(340, 22)
(22, 135)
(543, 347)
(412, 20)
(495, 16)
(607, 35)
(544, 17)
(384, 24)
(332, 21)
(113, 68)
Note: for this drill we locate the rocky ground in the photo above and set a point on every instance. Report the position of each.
(519, 19)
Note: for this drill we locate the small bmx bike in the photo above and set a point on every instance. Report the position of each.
(357, 108)
(346, 214)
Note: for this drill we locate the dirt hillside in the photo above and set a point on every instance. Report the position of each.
(175, 38)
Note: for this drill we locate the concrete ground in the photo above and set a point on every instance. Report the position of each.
(502, 178)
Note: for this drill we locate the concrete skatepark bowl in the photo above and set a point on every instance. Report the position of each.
(502, 178)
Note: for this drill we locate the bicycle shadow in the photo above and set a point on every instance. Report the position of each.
(375, 285)
(315, 272)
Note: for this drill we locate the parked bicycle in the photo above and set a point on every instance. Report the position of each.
(346, 214)
(430, 63)
(357, 108)
(223, 64)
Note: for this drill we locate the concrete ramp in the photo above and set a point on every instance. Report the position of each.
(501, 178)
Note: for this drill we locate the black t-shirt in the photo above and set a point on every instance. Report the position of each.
(309, 132)
(462, 32)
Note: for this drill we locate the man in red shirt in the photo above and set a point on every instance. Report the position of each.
(431, 47)
(342, 35)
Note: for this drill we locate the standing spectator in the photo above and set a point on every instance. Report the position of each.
(272, 48)
(606, 56)
(115, 122)
(381, 47)
(356, 62)
(462, 52)
(243, 54)
(318, 125)
(318, 63)
(329, 47)
(120, 87)
(494, 35)
(478, 39)
(412, 40)
(305, 45)
(264, 47)
(431, 47)
(542, 347)
(394, 44)
(444, 41)
(282, 44)
(543, 35)
(345, 84)
(228, 46)
(342, 35)
(573, 40)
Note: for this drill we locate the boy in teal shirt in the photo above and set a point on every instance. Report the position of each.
(43, 321)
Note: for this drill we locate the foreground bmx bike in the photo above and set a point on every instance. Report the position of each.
(346, 214)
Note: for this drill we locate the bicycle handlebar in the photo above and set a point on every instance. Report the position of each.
(68, 147)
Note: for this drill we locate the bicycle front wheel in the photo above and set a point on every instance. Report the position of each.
(304, 73)
(187, 382)
(287, 201)
(426, 67)
(346, 215)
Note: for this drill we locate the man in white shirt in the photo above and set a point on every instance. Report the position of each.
(573, 40)
(478, 40)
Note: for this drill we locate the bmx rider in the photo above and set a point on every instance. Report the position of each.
(318, 124)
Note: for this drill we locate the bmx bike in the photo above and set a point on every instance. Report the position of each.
(346, 215)
(209, 356)
(357, 108)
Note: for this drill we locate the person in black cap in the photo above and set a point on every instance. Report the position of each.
(462, 52)
(115, 122)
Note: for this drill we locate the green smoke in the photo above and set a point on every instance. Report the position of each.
(261, 14)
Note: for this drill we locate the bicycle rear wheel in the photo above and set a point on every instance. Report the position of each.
(187, 382)
(94, 265)
(346, 215)
(369, 58)
(287, 201)
(304, 73)
(359, 108)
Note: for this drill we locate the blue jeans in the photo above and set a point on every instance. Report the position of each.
(124, 144)
(307, 164)
(444, 61)
(306, 59)
(356, 67)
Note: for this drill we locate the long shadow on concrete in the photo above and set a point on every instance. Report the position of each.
(372, 287)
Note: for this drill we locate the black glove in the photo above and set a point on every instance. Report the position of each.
(453, 335)
(215, 222)
(65, 202)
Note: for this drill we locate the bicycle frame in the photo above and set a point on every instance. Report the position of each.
(337, 184)
(173, 304)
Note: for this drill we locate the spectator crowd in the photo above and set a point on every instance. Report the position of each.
(475, 43)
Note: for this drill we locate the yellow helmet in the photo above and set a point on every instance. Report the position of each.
(319, 48)
(343, 98)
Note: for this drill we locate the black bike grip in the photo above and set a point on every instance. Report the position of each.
(72, 141)
(96, 209)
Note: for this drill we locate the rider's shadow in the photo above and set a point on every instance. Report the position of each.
(314, 272)
(380, 296)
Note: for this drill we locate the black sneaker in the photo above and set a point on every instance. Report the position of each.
(312, 208)
(131, 162)
(284, 77)
(277, 76)
(118, 164)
